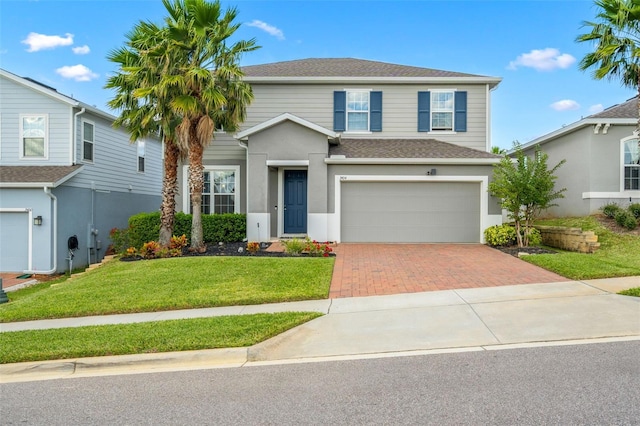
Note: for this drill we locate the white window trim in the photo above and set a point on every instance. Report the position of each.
(21, 155)
(210, 168)
(144, 156)
(93, 159)
(622, 163)
(453, 112)
(346, 112)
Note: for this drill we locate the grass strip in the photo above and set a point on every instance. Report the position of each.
(631, 292)
(150, 337)
(170, 284)
(616, 257)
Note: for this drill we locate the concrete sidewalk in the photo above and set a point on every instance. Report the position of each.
(467, 319)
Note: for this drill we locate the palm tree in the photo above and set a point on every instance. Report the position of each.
(208, 81)
(616, 36)
(144, 108)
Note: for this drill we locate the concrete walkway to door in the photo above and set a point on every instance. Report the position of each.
(377, 269)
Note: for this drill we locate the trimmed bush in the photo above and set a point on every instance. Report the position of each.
(635, 210)
(627, 219)
(500, 235)
(226, 228)
(535, 237)
(610, 210)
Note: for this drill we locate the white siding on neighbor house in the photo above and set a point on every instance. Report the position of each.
(115, 161)
(399, 109)
(17, 100)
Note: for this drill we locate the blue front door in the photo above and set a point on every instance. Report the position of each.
(295, 201)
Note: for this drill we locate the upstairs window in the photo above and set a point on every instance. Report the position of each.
(87, 140)
(442, 111)
(141, 156)
(34, 134)
(357, 111)
(631, 160)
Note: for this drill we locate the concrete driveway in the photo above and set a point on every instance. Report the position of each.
(377, 269)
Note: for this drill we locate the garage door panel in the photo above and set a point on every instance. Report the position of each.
(410, 212)
(14, 240)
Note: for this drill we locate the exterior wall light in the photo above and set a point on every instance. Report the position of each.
(37, 221)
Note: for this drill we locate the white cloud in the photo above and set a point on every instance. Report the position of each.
(594, 109)
(543, 60)
(81, 50)
(77, 72)
(269, 29)
(43, 42)
(565, 105)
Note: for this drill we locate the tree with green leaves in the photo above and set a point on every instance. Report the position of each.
(206, 75)
(144, 108)
(525, 187)
(616, 39)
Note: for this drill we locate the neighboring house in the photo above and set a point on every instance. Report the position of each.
(602, 160)
(64, 171)
(351, 150)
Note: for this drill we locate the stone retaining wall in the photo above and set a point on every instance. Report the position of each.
(571, 239)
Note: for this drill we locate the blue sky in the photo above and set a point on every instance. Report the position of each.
(529, 44)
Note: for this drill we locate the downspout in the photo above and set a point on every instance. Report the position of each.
(54, 245)
(74, 135)
(246, 162)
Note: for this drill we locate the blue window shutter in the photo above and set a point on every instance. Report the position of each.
(375, 106)
(424, 111)
(461, 111)
(339, 111)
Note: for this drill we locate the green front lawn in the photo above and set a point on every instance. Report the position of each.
(150, 337)
(618, 255)
(177, 283)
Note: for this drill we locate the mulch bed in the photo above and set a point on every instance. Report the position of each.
(234, 249)
(515, 250)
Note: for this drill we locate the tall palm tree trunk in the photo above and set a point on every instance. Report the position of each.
(196, 184)
(169, 191)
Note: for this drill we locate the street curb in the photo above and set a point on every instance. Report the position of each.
(120, 364)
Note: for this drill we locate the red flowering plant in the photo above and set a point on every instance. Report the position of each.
(315, 248)
(253, 247)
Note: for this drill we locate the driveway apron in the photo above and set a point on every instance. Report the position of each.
(375, 269)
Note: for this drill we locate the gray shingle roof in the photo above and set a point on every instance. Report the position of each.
(628, 109)
(404, 148)
(343, 67)
(35, 174)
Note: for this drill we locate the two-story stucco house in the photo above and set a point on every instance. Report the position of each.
(602, 160)
(65, 172)
(351, 150)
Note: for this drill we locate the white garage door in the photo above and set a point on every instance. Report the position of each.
(14, 242)
(429, 212)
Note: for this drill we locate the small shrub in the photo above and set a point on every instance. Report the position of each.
(315, 248)
(253, 247)
(178, 242)
(535, 237)
(635, 210)
(626, 219)
(151, 250)
(500, 235)
(131, 251)
(610, 210)
(120, 240)
(294, 246)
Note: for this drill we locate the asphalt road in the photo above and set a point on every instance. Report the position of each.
(581, 384)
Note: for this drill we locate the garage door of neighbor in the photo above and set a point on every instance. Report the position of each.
(14, 242)
(410, 212)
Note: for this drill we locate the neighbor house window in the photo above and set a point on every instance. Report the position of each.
(87, 140)
(631, 159)
(141, 156)
(33, 130)
(219, 194)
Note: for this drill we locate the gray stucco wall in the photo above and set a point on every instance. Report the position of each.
(593, 164)
(408, 170)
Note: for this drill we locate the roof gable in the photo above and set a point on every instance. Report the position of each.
(281, 118)
(37, 176)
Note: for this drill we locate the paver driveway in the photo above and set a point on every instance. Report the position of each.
(374, 269)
